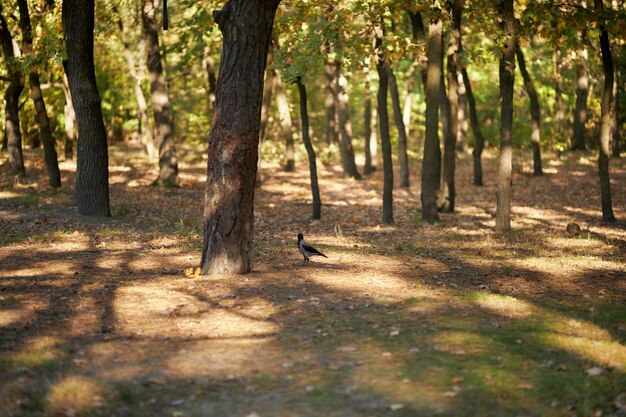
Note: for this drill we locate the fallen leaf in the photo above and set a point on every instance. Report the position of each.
(458, 379)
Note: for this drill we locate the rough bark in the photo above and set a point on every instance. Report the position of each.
(605, 120)
(11, 99)
(304, 116)
(507, 79)
(383, 123)
(431, 162)
(448, 186)
(582, 93)
(163, 118)
(403, 157)
(367, 122)
(479, 139)
(345, 128)
(69, 119)
(330, 101)
(286, 126)
(246, 26)
(147, 136)
(92, 167)
(45, 132)
(535, 112)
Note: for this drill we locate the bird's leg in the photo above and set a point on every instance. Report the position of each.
(304, 262)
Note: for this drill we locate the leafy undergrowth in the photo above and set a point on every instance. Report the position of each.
(98, 317)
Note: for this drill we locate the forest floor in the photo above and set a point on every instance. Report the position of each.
(104, 317)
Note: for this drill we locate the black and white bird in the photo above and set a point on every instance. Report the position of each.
(307, 250)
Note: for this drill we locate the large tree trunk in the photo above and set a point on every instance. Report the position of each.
(582, 93)
(304, 116)
(605, 121)
(147, 136)
(246, 26)
(11, 99)
(69, 120)
(448, 186)
(284, 120)
(403, 157)
(479, 139)
(507, 79)
(92, 167)
(431, 162)
(345, 128)
(330, 101)
(163, 118)
(45, 133)
(383, 123)
(367, 121)
(535, 114)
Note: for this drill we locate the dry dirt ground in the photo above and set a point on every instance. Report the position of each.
(99, 318)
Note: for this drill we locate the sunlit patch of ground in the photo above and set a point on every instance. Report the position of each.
(98, 318)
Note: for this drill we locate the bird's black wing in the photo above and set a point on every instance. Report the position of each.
(311, 249)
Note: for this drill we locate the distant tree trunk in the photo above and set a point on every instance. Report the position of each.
(461, 138)
(70, 121)
(431, 162)
(11, 99)
(582, 93)
(383, 123)
(407, 109)
(507, 79)
(45, 133)
(535, 117)
(92, 167)
(448, 186)
(330, 101)
(615, 127)
(559, 105)
(304, 116)
(605, 120)
(147, 137)
(208, 65)
(367, 121)
(163, 119)
(246, 26)
(479, 139)
(284, 119)
(345, 128)
(403, 158)
(270, 76)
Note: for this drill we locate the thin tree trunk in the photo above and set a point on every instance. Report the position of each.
(70, 120)
(284, 120)
(615, 127)
(92, 167)
(535, 113)
(431, 162)
(246, 26)
(419, 34)
(330, 101)
(270, 76)
(163, 118)
(605, 121)
(11, 99)
(147, 136)
(407, 109)
(479, 139)
(559, 105)
(403, 158)
(507, 80)
(367, 120)
(448, 186)
(461, 138)
(208, 65)
(304, 116)
(345, 128)
(582, 93)
(383, 123)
